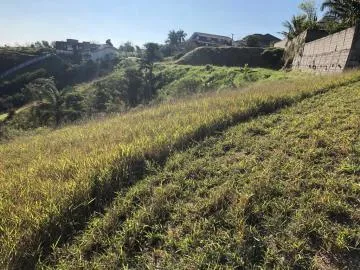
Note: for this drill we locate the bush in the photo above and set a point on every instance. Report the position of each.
(274, 57)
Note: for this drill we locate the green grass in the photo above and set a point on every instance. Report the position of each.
(174, 81)
(181, 80)
(3, 116)
(52, 182)
(278, 192)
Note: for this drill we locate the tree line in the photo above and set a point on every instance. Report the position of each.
(339, 15)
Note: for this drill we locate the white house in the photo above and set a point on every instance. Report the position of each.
(104, 52)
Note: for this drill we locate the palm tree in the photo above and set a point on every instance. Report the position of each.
(173, 39)
(181, 35)
(50, 101)
(346, 12)
(295, 26)
(176, 37)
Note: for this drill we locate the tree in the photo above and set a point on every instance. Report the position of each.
(308, 7)
(295, 26)
(52, 105)
(181, 35)
(176, 38)
(346, 12)
(252, 41)
(172, 38)
(127, 47)
(133, 85)
(138, 50)
(108, 42)
(45, 44)
(38, 44)
(151, 55)
(299, 23)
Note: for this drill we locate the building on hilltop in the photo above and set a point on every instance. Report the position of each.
(87, 50)
(203, 39)
(332, 53)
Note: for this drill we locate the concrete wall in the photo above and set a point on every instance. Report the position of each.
(296, 46)
(331, 53)
(354, 57)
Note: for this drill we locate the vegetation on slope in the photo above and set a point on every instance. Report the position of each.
(174, 81)
(126, 88)
(278, 192)
(66, 72)
(12, 56)
(51, 183)
(230, 56)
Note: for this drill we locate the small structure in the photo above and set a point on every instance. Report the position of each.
(333, 53)
(203, 39)
(87, 50)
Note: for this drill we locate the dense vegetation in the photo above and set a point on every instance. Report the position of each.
(127, 88)
(52, 182)
(65, 71)
(339, 15)
(12, 56)
(278, 192)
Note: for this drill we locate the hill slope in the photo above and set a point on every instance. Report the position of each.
(52, 183)
(280, 191)
(234, 57)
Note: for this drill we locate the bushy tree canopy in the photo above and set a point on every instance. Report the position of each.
(346, 12)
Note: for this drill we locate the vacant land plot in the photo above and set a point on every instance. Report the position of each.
(280, 191)
(51, 183)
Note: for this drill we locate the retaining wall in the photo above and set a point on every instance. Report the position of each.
(333, 53)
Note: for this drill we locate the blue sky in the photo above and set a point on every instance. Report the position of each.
(138, 21)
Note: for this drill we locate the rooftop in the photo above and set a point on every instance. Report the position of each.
(210, 35)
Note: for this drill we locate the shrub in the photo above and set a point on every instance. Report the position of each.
(273, 57)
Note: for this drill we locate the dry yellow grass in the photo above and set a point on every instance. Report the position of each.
(45, 179)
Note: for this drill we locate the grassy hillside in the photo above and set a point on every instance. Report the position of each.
(232, 56)
(181, 80)
(174, 81)
(52, 182)
(278, 192)
(124, 88)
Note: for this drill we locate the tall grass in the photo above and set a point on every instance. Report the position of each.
(277, 192)
(50, 183)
